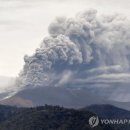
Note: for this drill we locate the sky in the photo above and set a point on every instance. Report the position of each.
(24, 24)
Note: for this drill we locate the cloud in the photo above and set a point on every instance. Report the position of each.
(109, 78)
(87, 48)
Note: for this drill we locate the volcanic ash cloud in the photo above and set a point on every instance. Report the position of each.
(83, 46)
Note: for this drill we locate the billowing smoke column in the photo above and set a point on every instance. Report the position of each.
(79, 47)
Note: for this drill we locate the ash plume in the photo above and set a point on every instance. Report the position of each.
(87, 45)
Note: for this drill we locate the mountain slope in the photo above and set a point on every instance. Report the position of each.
(6, 112)
(59, 118)
(50, 118)
(70, 98)
(111, 112)
(108, 111)
(67, 97)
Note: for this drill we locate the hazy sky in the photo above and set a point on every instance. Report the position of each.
(24, 23)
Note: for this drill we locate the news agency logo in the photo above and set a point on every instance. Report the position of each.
(93, 121)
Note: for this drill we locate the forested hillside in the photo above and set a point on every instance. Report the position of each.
(47, 118)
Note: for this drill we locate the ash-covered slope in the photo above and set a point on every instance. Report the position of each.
(66, 97)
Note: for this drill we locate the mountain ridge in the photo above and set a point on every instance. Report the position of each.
(70, 98)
